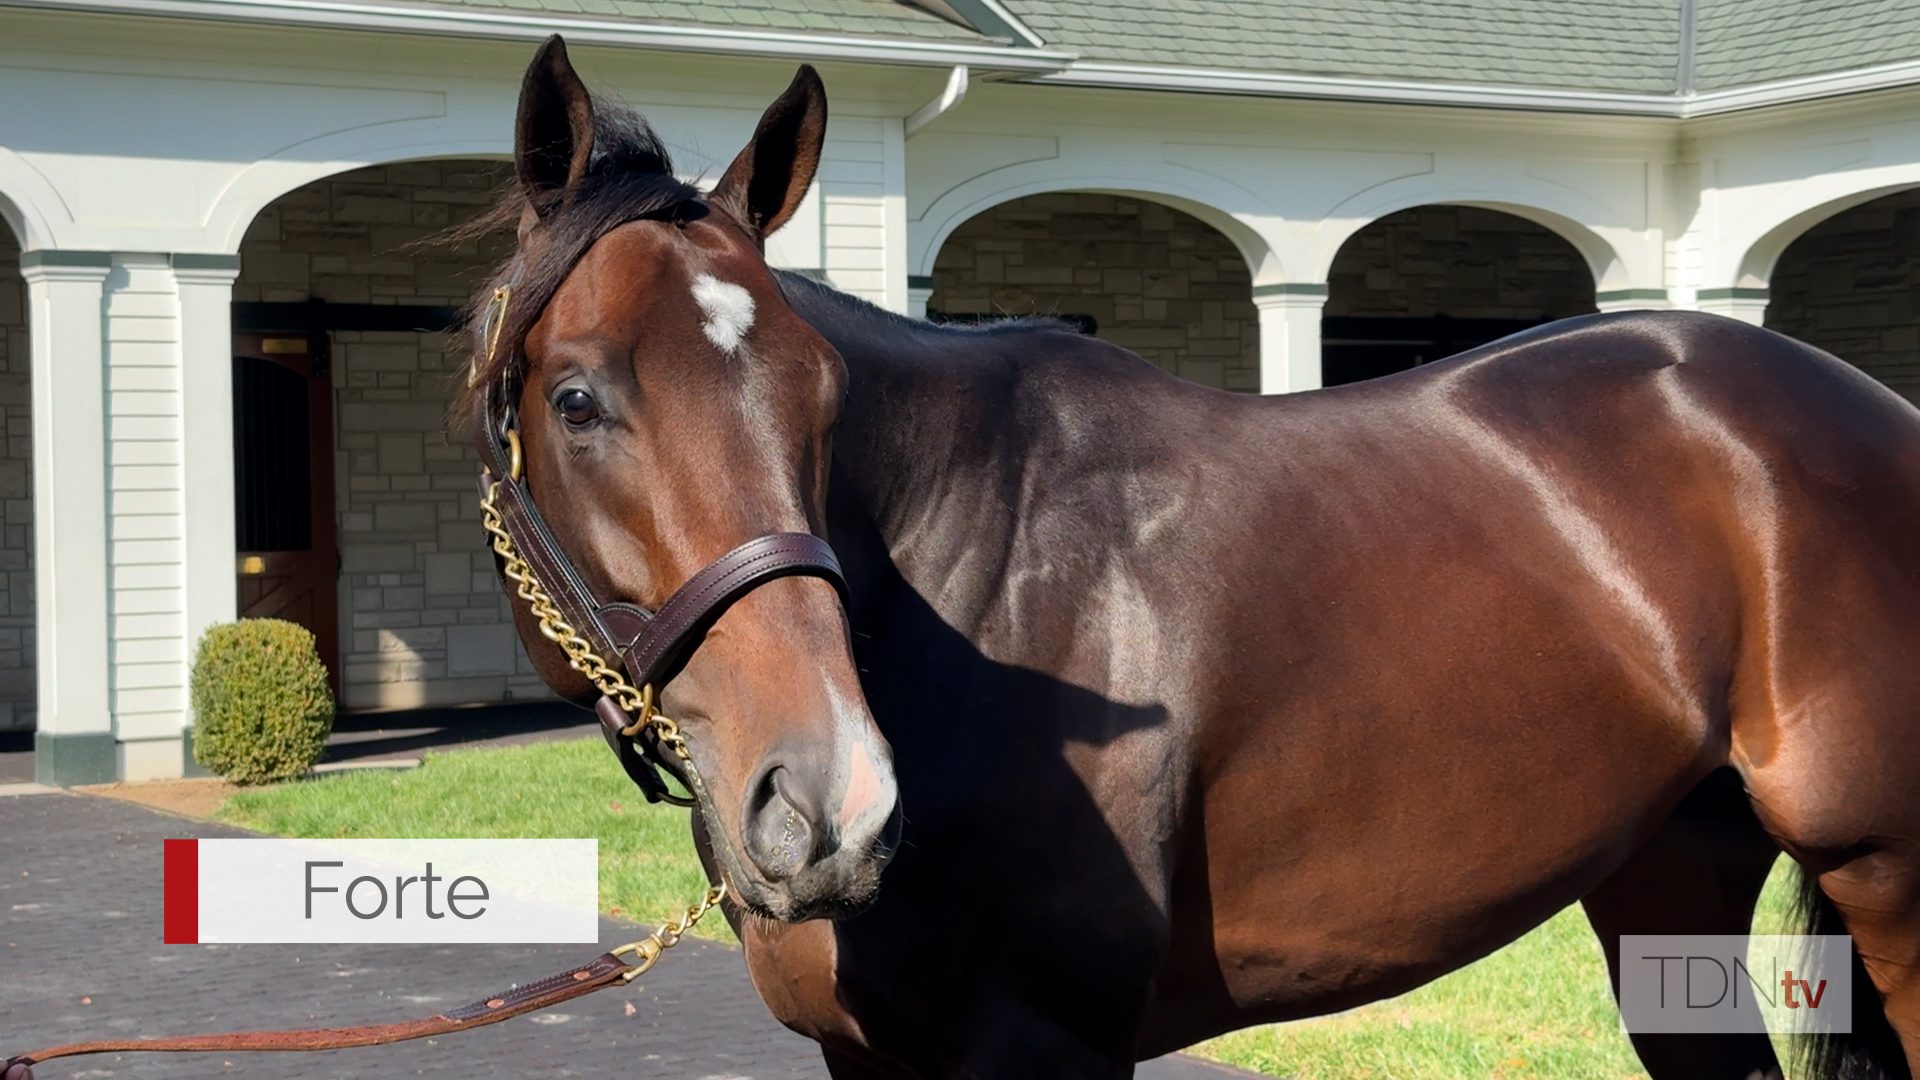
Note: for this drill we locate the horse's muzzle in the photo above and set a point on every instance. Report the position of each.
(816, 860)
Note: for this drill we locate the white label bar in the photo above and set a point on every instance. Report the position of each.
(382, 891)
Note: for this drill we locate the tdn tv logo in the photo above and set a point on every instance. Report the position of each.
(1716, 983)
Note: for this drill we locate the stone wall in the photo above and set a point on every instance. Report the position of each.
(1155, 280)
(1851, 286)
(16, 498)
(423, 618)
(1460, 261)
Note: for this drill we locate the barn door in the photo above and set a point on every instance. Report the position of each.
(289, 554)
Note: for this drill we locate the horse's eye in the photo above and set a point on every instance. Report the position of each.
(578, 408)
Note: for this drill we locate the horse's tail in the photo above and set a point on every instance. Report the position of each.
(1871, 1051)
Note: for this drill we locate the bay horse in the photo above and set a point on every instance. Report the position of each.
(1155, 711)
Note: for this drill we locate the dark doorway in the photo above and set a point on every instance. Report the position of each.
(289, 553)
(1354, 348)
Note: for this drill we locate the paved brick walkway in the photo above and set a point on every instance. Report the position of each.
(80, 919)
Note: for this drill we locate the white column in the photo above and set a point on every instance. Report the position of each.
(74, 742)
(893, 218)
(1289, 336)
(1749, 305)
(205, 283)
(919, 291)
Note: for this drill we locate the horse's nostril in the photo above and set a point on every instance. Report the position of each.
(778, 832)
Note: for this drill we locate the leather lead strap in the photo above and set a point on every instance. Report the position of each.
(605, 970)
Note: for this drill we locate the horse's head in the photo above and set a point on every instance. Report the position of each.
(671, 405)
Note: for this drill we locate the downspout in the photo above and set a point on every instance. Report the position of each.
(953, 94)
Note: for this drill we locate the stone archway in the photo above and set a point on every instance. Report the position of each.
(1851, 285)
(1424, 283)
(350, 268)
(1135, 272)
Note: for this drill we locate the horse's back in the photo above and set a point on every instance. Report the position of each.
(1746, 505)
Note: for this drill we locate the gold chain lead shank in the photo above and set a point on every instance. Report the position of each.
(637, 703)
(667, 935)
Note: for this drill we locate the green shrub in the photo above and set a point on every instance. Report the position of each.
(262, 709)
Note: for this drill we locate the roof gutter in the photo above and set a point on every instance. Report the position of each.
(619, 33)
(1474, 95)
(1399, 91)
(1805, 88)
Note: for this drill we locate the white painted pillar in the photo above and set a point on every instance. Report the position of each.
(205, 284)
(893, 218)
(919, 291)
(1289, 336)
(74, 740)
(1749, 305)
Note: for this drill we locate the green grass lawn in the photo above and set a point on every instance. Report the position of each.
(1541, 1007)
(562, 790)
(1538, 1008)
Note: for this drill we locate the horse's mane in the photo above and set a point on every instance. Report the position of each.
(630, 178)
(829, 310)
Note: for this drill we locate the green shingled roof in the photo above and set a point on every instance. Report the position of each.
(1740, 42)
(1623, 45)
(878, 18)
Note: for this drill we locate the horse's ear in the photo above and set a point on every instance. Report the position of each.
(764, 185)
(553, 136)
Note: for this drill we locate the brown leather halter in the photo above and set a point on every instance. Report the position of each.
(652, 646)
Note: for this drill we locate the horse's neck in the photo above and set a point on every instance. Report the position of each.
(916, 445)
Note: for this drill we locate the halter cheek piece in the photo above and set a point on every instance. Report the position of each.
(601, 637)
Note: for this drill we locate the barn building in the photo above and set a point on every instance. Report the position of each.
(223, 365)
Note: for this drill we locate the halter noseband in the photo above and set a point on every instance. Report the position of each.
(600, 638)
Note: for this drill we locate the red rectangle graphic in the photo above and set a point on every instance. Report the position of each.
(181, 922)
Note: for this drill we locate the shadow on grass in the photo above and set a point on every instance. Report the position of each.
(364, 736)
